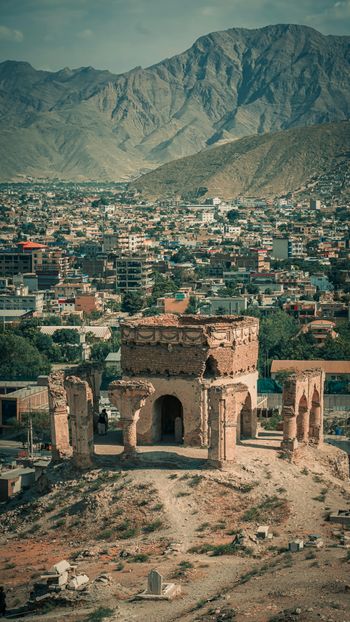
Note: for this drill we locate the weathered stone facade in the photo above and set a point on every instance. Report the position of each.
(80, 402)
(302, 409)
(129, 397)
(183, 357)
(58, 410)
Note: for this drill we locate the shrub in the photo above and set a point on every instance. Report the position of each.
(157, 524)
(100, 614)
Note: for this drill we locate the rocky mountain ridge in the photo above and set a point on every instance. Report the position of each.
(91, 124)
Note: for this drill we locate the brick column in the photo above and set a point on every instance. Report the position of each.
(129, 396)
(58, 417)
(223, 411)
(80, 402)
(316, 425)
(289, 429)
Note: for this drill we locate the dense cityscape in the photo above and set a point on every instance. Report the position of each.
(174, 311)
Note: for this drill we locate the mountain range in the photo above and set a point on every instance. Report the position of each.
(268, 165)
(91, 124)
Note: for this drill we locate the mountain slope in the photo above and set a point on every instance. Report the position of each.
(271, 164)
(85, 123)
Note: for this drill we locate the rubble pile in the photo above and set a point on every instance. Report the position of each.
(60, 578)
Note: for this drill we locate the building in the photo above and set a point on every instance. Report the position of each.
(134, 273)
(16, 403)
(287, 248)
(123, 242)
(88, 303)
(184, 357)
(17, 301)
(320, 330)
(175, 304)
(15, 262)
(232, 305)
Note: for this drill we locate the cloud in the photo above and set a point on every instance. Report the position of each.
(85, 34)
(9, 34)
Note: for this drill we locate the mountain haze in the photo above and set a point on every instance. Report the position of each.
(86, 123)
(272, 164)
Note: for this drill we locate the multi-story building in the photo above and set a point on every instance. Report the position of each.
(123, 242)
(15, 262)
(287, 248)
(134, 272)
(13, 301)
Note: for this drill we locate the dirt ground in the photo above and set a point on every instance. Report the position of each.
(174, 514)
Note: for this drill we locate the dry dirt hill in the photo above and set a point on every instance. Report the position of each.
(272, 164)
(118, 524)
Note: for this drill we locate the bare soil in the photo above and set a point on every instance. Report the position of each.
(126, 521)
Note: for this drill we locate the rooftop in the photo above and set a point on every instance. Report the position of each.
(180, 321)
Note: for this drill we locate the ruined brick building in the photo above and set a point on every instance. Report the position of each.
(184, 358)
(187, 379)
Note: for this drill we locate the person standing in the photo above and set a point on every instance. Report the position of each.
(101, 424)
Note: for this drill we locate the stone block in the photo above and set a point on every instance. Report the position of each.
(296, 545)
(77, 582)
(263, 532)
(60, 567)
(341, 516)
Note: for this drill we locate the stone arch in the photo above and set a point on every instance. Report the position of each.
(246, 417)
(315, 423)
(168, 419)
(302, 419)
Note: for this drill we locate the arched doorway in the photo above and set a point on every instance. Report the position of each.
(168, 419)
(302, 423)
(245, 428)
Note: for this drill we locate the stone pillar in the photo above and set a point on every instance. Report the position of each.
(58, 417)
(223, 425)
(316, 425)
(129, 396)
(289, 429)
(80, 402)
(92, 373)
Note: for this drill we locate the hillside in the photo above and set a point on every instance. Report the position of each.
(174, 514)
(270, 164)
(91, 124)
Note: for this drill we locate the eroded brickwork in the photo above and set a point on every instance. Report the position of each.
(302, 409)
(171, 345)
(80, 402)
(182, 357)
(58, 410)
(129, 397)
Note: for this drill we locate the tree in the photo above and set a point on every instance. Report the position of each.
(100, 350)
(233, 215)
(183, 255)
(132, 302)
(20, 359)
(66, 335)
(192, 306)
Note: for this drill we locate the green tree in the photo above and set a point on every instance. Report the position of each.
(100, 350)
(66, 335)
(20, 359)
(132, 302)
(192, 306)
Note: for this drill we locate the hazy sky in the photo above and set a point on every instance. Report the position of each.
(120, 34)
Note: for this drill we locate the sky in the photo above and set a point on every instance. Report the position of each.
(121, 34)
